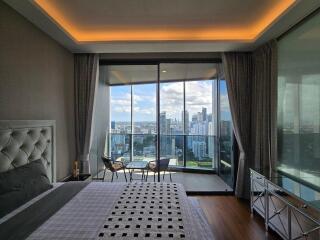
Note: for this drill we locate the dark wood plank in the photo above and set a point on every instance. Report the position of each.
(230, 218)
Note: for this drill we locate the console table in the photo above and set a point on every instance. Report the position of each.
(290, 208)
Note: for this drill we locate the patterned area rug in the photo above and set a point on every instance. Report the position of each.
(146, 211)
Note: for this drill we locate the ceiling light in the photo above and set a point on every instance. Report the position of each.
(243, 33)
(164, 71)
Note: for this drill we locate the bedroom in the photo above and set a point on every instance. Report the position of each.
(154, 88)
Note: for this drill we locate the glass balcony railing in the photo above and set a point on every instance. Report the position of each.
(201, 151)
(171, 146)
(120, 146)
(144, 147)
(191, 151)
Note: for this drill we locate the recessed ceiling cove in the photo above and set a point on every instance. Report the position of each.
(164, 20)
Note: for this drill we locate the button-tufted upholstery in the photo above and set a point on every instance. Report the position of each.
(19, 146)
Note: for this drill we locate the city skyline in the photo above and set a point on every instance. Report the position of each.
(171, 100)
(197, 137)
(187, 120)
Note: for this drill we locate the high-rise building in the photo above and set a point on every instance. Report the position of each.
(225, 128)
(163, 122)
(194, 118)
(118, 144)
(211, 140)
(165, 130)
(168, 127)
(204, 114)
(185, 120)
(199, 128)
(199, 117)
(199, 149)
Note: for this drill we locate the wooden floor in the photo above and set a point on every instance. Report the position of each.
(230, 219)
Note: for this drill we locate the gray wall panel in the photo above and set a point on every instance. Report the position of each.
(36, 81)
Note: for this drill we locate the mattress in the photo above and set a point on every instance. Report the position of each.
(122, 211)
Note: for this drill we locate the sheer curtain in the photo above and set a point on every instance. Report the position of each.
(85, 78)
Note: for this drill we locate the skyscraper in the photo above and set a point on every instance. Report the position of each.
(211, 140)
(163, 122)
(185, 120)
(165, 139)
(225, 128)
(199, 149)
(204, 114)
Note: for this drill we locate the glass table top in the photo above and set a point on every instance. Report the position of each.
(137, 165)
(306, 193)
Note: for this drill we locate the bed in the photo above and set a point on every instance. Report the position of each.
(85, 210)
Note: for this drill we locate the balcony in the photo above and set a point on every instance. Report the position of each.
(187, 105)
(184, 151)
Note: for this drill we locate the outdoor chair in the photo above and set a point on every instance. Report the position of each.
(113, 166)
(164, 166)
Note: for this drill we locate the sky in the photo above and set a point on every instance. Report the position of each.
(198, 95)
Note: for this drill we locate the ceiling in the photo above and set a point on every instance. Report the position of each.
(132, 74)
(163, 25)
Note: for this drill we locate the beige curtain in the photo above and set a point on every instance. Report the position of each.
(85, 78)
(238, 74)
(264, 106)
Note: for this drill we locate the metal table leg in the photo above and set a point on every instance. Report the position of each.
(130, 173)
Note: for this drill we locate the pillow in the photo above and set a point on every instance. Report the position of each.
(21, 184)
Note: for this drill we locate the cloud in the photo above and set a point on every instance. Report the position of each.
(198, 95)
(171, 99)
(121, 104)
(145, 111)
(141, 110)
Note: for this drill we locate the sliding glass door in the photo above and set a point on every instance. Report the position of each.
(144, 122)
(201, 128)
(171, 121)
(133, 125)
(225, 154)
(185, 103)
(188, 116)
(120, 125)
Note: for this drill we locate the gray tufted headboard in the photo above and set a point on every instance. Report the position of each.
(22, 141)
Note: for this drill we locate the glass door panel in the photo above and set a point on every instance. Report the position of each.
(171, 121)
(201, 128)
(188, 114)
(120, 129)
(189, 108)
(144, 147)
(226, 136)
(144, 122)
(133, 111)
(199, 152)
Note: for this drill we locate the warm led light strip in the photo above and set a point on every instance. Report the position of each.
(250, 33)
